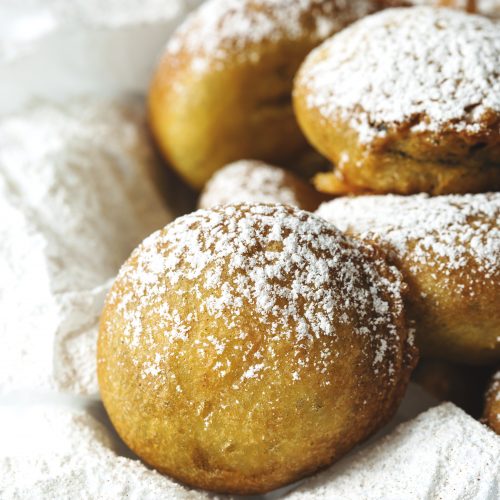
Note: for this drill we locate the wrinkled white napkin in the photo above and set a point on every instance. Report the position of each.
(75, 200)
(442, 453)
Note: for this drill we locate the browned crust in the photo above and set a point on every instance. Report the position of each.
(403, 162)
(299, 438)
(241, 107)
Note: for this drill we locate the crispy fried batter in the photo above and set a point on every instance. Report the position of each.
(448, 249)
(222, 91)
(246, 346)
(406, 101)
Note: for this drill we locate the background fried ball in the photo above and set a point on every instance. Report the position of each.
(222, 90)
(252, 181)
(406, 101)
(448, 249)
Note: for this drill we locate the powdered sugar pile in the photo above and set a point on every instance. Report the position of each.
(74, 204)
(222, 27)
(296, 275)
(442, 454)
(430, 69)
(250, 181)
(454, 232)
(27, 307)
(53, 452)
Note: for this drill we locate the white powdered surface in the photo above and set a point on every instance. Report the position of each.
(452, 233)
(433, 69)
(219, 28)
(52, 453)
(442, 454)
(75, 200)
(249, 181)
(303, 279)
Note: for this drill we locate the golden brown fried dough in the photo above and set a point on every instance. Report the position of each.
(222, 90)
(448, 249)
(252, 181)
(406, 101)
(492, 410)
(246, 346)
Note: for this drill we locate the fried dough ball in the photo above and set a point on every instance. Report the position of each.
(492, 410)
(406, 101)
(252, 181)
(463, 385)
(222, 90)
(246, 346)
(448, 249)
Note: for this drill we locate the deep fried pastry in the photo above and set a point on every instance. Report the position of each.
(252, 181)
(222, 91)
(246, 346)
(406, 101)
(448, 249)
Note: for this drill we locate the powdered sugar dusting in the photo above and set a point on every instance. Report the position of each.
(249, 181)
(236, 27)
(454, 232)
(423, 68)
(298, 277)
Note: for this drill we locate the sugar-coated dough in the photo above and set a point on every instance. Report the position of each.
(442, 454)
(406, 101)
(246, 346)
(251, 181)
(222, 91)
(448, 249)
